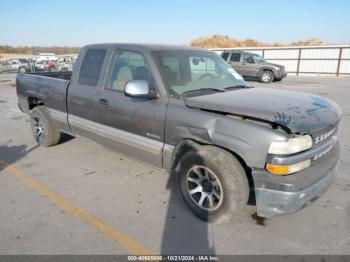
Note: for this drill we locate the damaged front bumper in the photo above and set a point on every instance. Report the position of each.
(279, 195)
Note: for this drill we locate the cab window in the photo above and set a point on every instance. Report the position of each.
(90, 68)
(127, 66)
(225, 55)
(248, 59)
(235, 57)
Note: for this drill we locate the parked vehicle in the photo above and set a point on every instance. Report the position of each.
(188, 112)
(47, 57)
(45, 65)
(253, 65)
(20, 65)
(65, 64)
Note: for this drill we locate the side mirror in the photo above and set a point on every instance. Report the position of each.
(139, 89)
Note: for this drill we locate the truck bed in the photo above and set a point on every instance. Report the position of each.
(60, 75)
(48, 87)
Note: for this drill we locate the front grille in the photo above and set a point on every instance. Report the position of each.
(323, 153)
(322, 136)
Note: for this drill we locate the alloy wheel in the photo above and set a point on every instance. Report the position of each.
(266, 77)
(204, 188)
(39, 129)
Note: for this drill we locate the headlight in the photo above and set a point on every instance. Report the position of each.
(291, 146)
(288, 169)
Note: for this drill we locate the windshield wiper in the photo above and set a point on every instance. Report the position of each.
(200, 90)
(237, 87)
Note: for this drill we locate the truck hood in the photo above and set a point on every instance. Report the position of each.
(276, 65)
(298, 112)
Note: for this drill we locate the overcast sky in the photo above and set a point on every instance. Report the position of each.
(80, 22)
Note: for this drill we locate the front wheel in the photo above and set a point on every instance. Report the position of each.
(44, 133)
(22, 70)
(213, 184)
(266, 77)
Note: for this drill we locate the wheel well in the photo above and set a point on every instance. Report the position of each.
(266, 69)
(33, 102)
(182, 148)
(186, 145)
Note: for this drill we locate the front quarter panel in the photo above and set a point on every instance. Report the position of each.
(250, 140)
(266, 67)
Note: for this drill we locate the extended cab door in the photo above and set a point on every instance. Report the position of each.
(83, 91)
(133, 126)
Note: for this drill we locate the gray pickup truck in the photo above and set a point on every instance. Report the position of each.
(252, 65)
(186, 111)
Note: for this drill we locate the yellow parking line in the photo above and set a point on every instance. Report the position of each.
(109, 231)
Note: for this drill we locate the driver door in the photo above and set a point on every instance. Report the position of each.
(249, 66)
(133, 126)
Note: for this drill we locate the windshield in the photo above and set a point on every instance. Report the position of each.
(185, 72)
(259, 59)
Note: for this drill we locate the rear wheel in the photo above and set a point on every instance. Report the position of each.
(44, 133)
(266, 77)
(213, 184)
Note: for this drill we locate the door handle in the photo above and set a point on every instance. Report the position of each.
(103, 102)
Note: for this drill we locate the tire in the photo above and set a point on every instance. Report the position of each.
(227, 180)
(22, 70)
(266, 77)
(44, 133)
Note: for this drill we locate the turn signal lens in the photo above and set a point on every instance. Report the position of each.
(289, 169)
(277, 170)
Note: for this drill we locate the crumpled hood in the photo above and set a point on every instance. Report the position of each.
(299, 112)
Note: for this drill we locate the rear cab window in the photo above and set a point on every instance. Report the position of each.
(91, 66)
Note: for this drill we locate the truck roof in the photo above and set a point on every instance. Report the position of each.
(147, 47)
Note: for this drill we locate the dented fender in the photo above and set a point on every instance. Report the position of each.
(248, 139)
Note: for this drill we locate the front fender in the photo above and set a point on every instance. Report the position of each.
(264, 68)
(249, 139)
